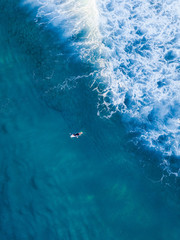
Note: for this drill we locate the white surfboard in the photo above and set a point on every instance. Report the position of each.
(72, 136)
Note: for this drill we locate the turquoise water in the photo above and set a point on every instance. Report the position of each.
(100, 186)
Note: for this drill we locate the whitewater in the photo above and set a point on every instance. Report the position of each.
(135, 48)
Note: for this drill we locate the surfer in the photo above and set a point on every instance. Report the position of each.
(76, 134)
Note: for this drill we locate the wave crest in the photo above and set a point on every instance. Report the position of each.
(136, 46)
(77, 20)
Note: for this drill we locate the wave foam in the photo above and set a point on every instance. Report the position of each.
(78, 21)
(136, 45)
(141, 45)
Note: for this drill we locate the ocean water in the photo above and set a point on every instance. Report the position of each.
(109, 69)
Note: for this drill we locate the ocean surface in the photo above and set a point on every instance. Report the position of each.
(110, 69)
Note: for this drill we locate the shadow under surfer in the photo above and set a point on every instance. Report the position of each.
(76, 134)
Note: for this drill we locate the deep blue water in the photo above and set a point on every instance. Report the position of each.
(100, 186)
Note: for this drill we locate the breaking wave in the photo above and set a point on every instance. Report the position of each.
(136, 46)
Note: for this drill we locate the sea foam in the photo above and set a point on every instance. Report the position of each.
(78, 21)
(136, 46)
(141, 40)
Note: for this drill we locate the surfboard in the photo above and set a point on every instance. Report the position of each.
(72, 136)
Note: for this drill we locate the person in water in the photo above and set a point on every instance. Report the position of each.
(76, 134)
